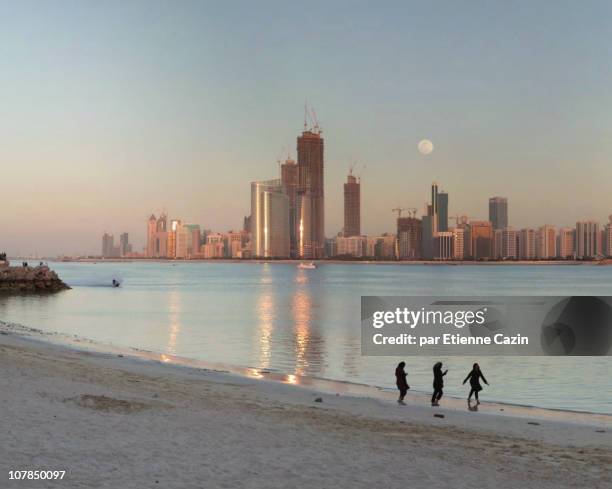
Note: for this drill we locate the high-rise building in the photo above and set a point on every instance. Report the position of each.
(151, 230)
(427, 236)
(172, 238)
(434, 208)
(510, 244)
(458, 243)
(443, 246)
(270, 237)
(587, 239)
(498, 235)
(527, 244)
(409, 234)
(310, 213)
(108, 245)
(289, 177)
(352, 206)
(381, 247)
(442, 211)
(546, 242)
(498, 212)
(566, 243)
(481, 236)
(125, 248)
(354, 246)
(607, 245)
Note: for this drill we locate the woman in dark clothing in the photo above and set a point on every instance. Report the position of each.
(475, 375)
(438, 383)
(400, 380)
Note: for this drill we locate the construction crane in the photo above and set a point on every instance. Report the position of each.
(399, 211)
(464, 219)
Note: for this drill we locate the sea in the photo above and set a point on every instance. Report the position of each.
(276, 318)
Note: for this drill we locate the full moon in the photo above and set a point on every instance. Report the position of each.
(425, 146)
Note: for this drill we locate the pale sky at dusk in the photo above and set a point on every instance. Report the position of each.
(113, 110)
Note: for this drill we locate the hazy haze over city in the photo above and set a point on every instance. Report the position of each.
(114, 110)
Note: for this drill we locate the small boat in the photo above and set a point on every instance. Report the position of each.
(116, 283)
(307, 266)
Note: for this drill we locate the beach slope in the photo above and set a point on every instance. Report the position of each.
(115, 421)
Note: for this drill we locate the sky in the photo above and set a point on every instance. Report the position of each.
(115, 110)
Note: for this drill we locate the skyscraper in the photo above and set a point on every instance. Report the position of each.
(108, 244)
(498, 212)
(409, 235)
(587, 238)
(566, 247)
(481, 236)
(151, 230)
(442, 211)
(289, 178)
(546, 242)
(124, 244)
(352, 206)
(527, 244)
(310, 220)
(608, 239)
(269, 220)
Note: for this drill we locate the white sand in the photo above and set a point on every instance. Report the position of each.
(122, 422)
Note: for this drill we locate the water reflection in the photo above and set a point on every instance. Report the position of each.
(265, 311)
(174, 316)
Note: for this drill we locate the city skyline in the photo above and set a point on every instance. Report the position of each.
(117, 110)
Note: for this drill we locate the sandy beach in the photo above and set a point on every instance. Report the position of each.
(112, 420)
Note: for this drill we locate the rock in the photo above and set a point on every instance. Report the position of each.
(23, 280)
(319, 399)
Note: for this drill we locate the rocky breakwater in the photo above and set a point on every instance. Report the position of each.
(26, 279)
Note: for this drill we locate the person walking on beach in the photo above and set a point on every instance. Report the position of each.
(474, 376)
(438, 383)
(401, 382)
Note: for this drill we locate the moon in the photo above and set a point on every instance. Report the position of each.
(425, 146)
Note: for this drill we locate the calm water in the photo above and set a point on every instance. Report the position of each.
(307, 322)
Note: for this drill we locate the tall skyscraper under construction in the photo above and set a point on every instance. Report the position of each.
(310, 213)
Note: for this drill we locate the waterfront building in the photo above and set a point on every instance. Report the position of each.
(607, 242)
(587, 239)
(497, 244)
(289, 178)
(409, 232)
(108, 245)
(546, 242)
(527, 244)
(270, 234)
(510, 244)
(310, 213)
(481, 237)
(442, 206)
(566, 240)
(458, 243)
(353, 246)
(125, 248)
(331, 249)
(151, 230)
(498, 212)
(381, 247)
(443, 246)
(352, 206)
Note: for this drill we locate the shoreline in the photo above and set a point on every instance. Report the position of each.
(321, 384)
(109, 418)
(605, 262)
